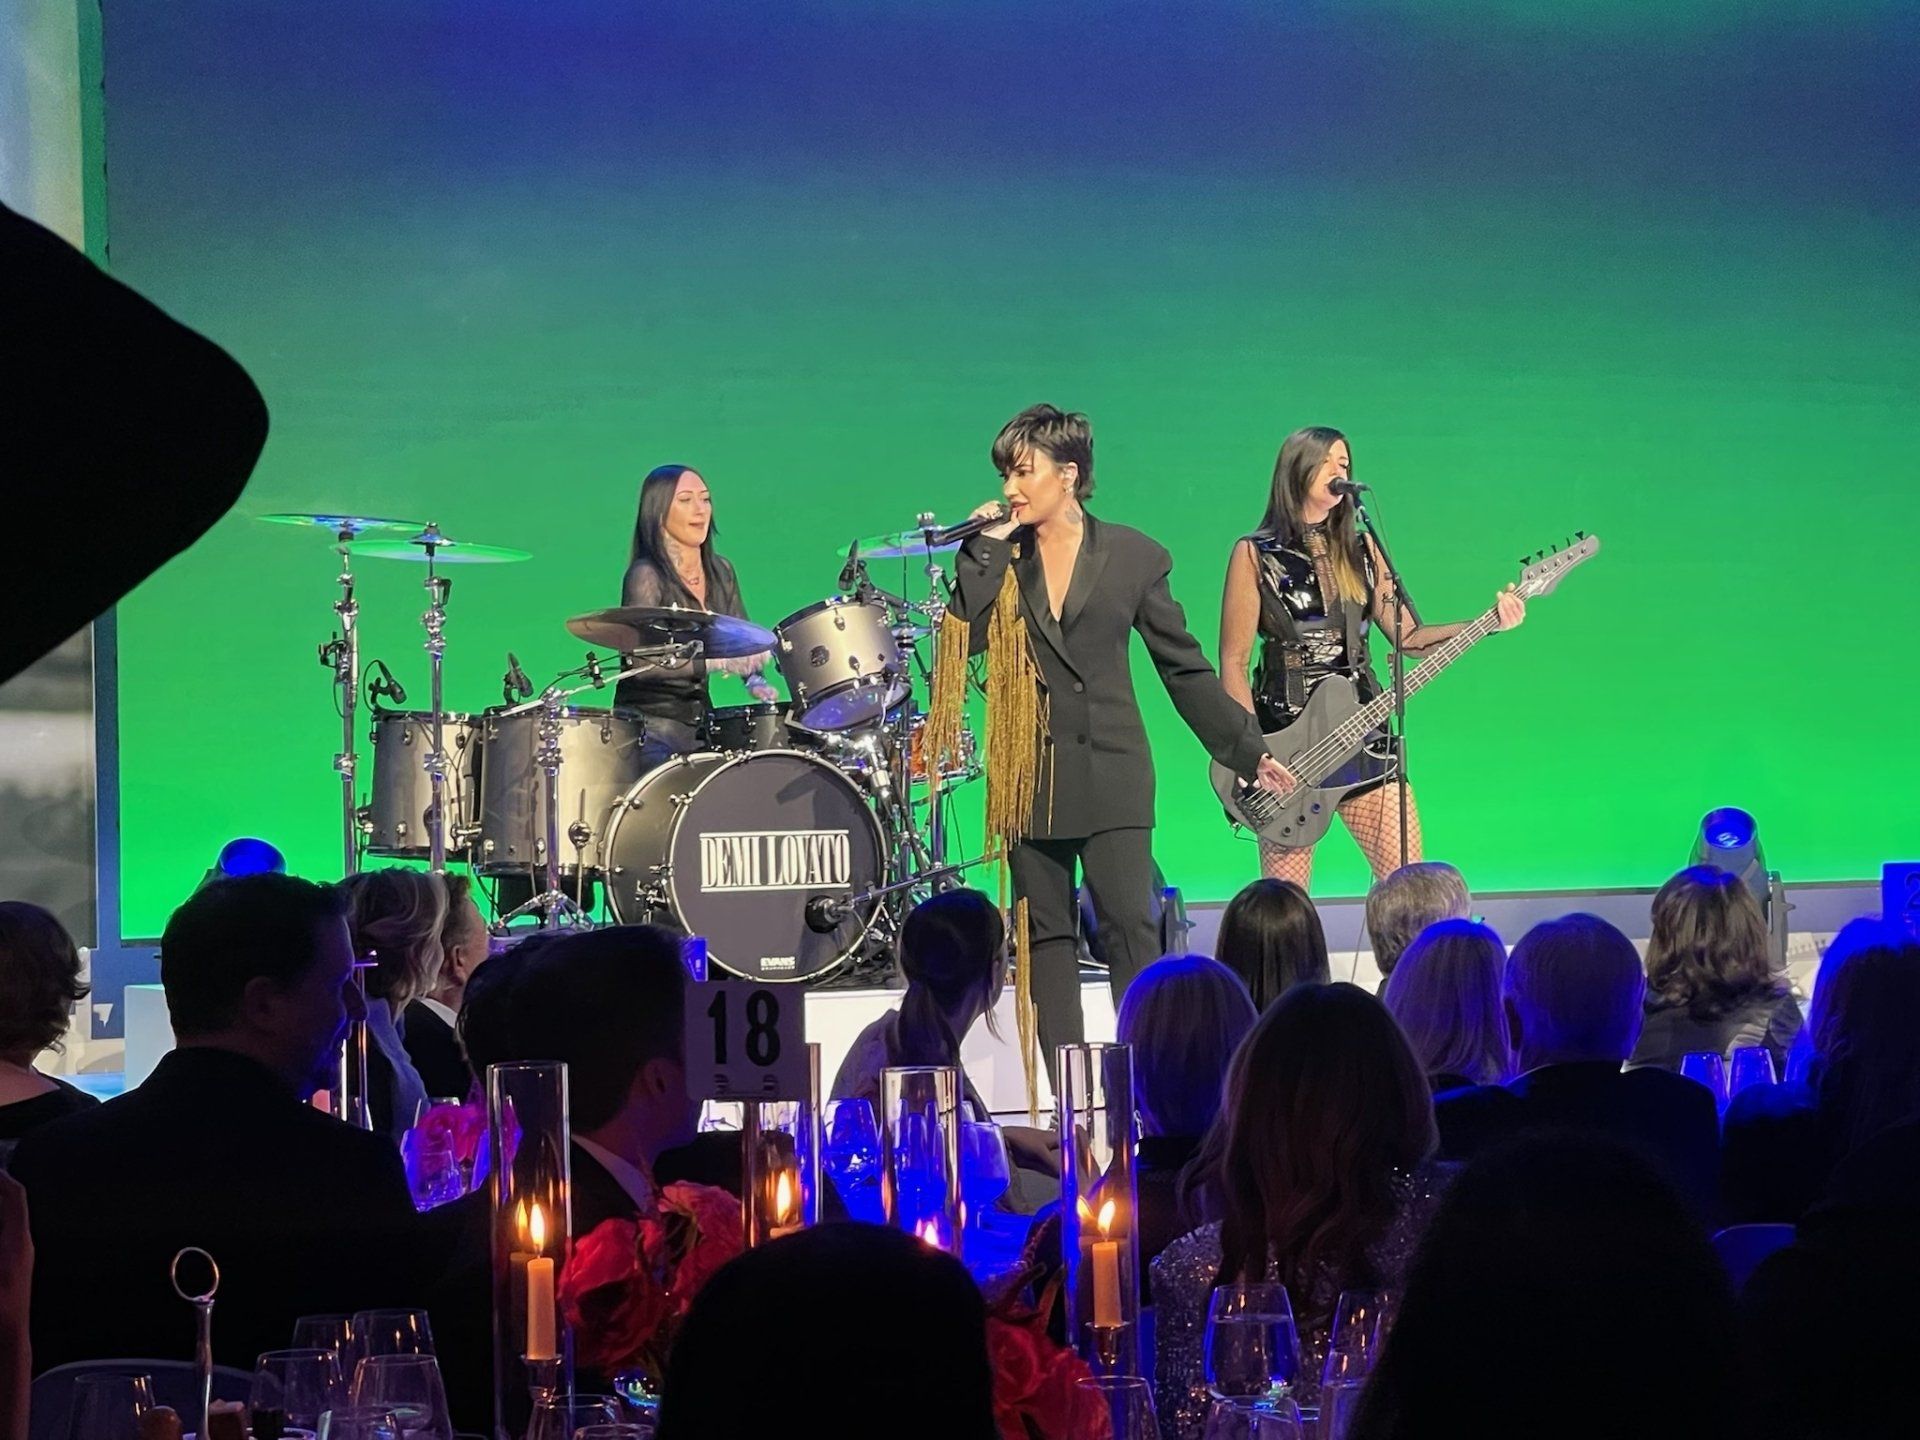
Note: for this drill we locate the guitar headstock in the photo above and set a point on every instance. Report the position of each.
(1541, 572)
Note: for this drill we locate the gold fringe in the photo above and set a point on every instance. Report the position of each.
(1016, 725)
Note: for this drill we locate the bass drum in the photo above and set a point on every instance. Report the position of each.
(599, 761)
(733, 847)
(396, 814)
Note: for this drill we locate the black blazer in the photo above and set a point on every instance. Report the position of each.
(435, 1051)
(305, 1215)
(1098, 771)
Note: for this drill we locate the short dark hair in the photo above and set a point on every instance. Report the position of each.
(1065, 437)
(252, 927)
(39, 978)
(604, 1002)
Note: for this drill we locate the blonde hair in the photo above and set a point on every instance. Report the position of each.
(1402, 904)
(1445, 992)
(395, 917)
(1184, 1016)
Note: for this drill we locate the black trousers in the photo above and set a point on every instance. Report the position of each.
(1117, 869)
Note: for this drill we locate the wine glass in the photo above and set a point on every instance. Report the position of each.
(985, 1172)
(292, 1389)
(559, 1416)
(391, 1332)
(1710, 1070)
(409, 1388)
(1752, 1065)
(1339, 1403)
(109, 1407)
(327, 1332)
(619, 1430)
(359, 1422)
(853, 1157)
(1353, 1341)
(1252, 1346)
(433, 1174)
(1127, 1402)
(1277, 1419)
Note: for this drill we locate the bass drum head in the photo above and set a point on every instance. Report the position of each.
(732, 848)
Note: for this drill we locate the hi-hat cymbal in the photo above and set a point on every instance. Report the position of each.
(902, 545)
(430, 544)
(635, 627)
(339, 524)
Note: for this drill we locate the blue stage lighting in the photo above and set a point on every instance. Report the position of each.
(1729, 828)
(249, 856)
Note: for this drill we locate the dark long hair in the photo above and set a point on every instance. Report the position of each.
(1300, 455)
(1271, 937)
(952, 945)
(1325, 1103)
(1866, 1004)
(650, 529)
(1708, 950)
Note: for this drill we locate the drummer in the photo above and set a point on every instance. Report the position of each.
(673, 563)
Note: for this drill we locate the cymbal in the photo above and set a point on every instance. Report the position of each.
(634, 627)
(339, 524)
(430, 544)
(902, 545)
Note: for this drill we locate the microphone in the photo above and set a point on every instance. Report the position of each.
(514, 684)
(1344, 486)
(967, 528)
(850, 571)
(383, 686)
(823, 913)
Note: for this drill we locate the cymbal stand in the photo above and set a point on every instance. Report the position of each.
(435, 623)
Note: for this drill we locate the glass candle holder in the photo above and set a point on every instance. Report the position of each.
(1099, 1205)
(782, 1181)
(920, 1152)
(532, 1186)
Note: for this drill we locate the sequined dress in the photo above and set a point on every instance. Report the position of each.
(1183, 1280)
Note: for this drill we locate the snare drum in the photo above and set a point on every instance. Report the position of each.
(842, 663)
(403, 793)
(599, 761)
(958, 769)
(748, 727)
(733, 847)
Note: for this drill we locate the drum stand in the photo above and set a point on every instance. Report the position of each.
(556, 908)
(435, 623)
(341, 654)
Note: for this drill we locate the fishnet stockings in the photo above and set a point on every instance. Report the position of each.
(1373, 819)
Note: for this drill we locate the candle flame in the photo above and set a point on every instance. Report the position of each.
(520, 1219)
(783, 1199)
(930, 1233)
(1086, 1211)
(537, 1227)
(1106, 1217)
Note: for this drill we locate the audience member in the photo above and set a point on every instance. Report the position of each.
(1831, 1322)
(1403, 903)
(431, 1022)
(395, 917)
(218, 1148)
(1271, 937)
(1184, 1016)
(953, 952)
(1782, 1141)
(1562, 1290)
(39, 986)
(1574, 989)
(16, 1292)
(1445, 992)
(800, 1307)
(1710, 985)
(1325, 1182)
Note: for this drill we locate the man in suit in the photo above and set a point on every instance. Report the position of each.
(219, 1149)
(1085, 587)
(1574, 991)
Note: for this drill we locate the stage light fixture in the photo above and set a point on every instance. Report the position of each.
(1729, 839)
(244, 855)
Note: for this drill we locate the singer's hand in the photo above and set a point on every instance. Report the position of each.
(1274, 778)
(761, 690)
(987, 511)
(1513, 610)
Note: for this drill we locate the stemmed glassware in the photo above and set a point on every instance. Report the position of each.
(851, 1141)
(985, 1172)
(292, 1390)
(109, 1407)
(1252, 1345)
(409, 1388)
(1710, 1070)
(1126, 1401)
(1752, 1065)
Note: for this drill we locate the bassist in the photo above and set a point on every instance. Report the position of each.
(1309, 585)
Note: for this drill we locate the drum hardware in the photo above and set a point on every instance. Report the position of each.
(555, 907)
(630, 628)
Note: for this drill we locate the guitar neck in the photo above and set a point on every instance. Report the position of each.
(1370, 716)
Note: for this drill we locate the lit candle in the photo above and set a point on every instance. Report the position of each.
(930, 1233)
(785, 1208)
(1106, 1274)
(540, 1326)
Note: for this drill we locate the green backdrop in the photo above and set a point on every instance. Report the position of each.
(1641, 270)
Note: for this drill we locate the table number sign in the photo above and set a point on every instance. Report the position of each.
(746, 1041)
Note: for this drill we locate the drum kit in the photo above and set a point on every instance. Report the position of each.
(794, 840)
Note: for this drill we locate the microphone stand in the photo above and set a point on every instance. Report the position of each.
(1401, 607)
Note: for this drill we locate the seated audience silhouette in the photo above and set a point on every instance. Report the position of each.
(1574, 989)
(395, 917)
(1782, 1141)
(219, 1148)
(39, 986)
(1445, 992)
(431, 1022)
(1184, 1016)
(920, 1364)
(1271, 937)
(1710, 986)
(1406, 901)
(1556, 1270)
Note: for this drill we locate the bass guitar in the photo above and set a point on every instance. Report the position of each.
(1329, 732)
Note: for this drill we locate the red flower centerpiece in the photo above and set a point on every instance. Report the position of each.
(1034, 1377)
(630, 1282)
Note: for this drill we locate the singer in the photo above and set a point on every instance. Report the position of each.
(1083, 586)
(672, 562)
(1308, 583)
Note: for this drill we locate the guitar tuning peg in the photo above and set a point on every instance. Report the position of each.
(1539, 555)
(1555, 549)
(1579, 534)
(1525, 560)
